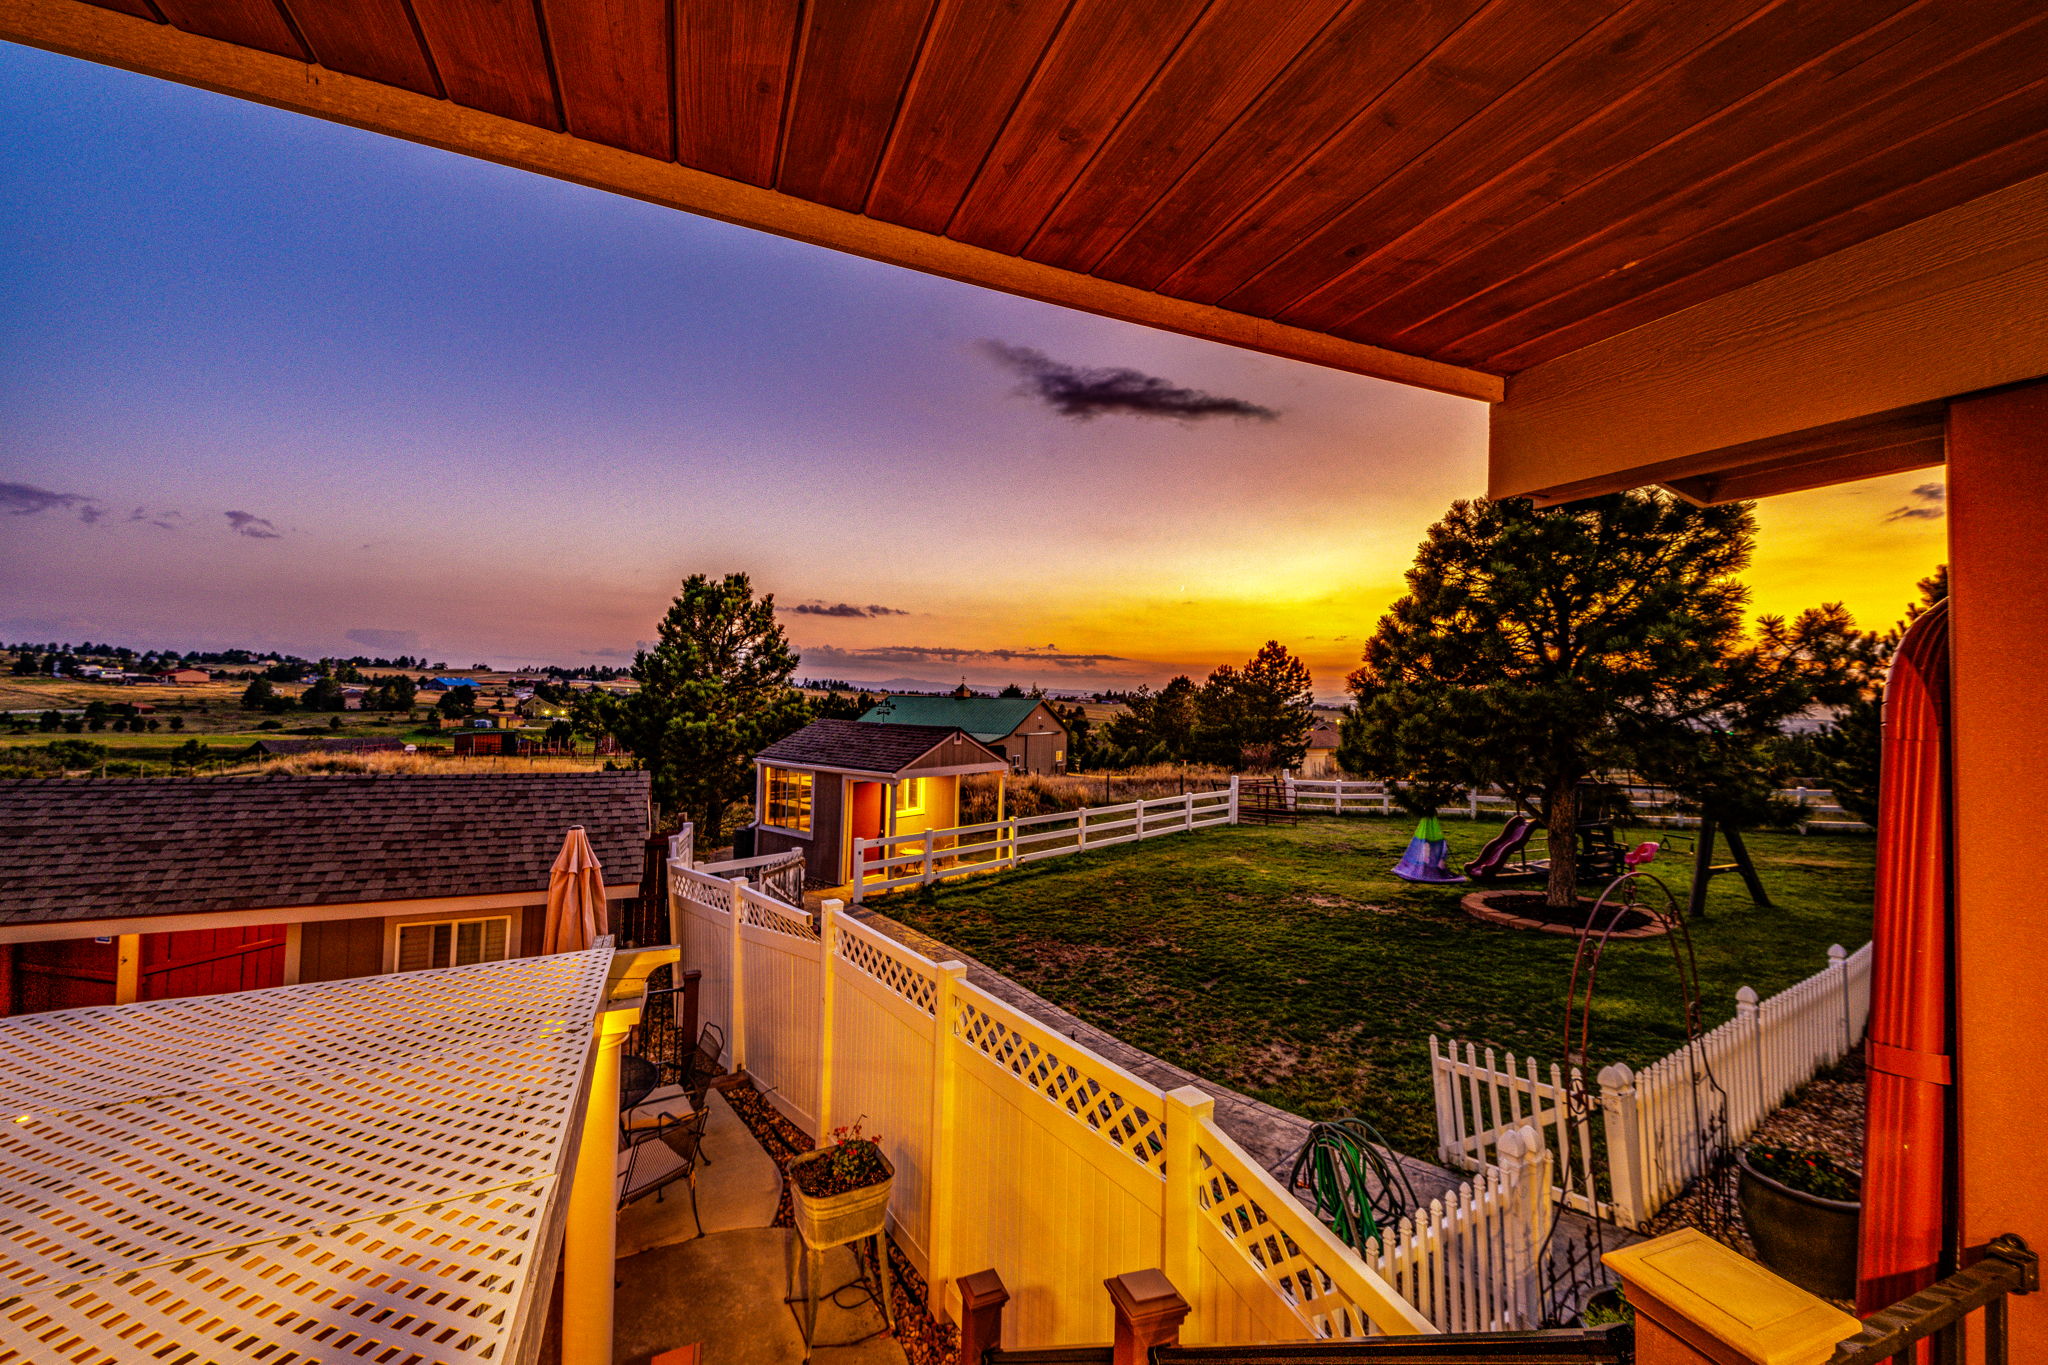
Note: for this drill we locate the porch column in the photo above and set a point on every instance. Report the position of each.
(590, 1244)
(127, 969)
(1998, 563)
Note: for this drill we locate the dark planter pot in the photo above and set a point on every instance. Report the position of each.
(1809, 1240)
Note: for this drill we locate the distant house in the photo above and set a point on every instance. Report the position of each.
(1022, 729)
(340, 744)
(185, 677)
(835, 781)
(154, 888)
(1321, 758)
(483, 742)
(449, 684)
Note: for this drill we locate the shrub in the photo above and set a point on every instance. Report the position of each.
(1815, 1173)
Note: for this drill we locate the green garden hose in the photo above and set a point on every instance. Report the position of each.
(1353, 1182)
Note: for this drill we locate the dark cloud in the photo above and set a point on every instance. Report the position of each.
(169, 521)
(403, 641)
(27, 500)
(1082, 394)
(942, 654)
(841, 609)
(253, 526)
(1931, 505)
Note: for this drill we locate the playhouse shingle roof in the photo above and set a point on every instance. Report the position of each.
(862, 746)
(82, 848)
(986, 718)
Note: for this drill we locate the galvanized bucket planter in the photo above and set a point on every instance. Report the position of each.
(832, 1220)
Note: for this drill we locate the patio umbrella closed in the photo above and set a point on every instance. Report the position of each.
(576, 917)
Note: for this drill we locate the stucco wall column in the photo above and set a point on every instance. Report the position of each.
(590, 1243)
(1998, 561)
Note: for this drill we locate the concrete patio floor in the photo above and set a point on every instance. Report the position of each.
(724, 1290)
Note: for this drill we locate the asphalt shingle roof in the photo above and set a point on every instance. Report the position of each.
(985, 718)
(862, 746)
(84, 848)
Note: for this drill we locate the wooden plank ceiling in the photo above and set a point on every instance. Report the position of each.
(1487, 183)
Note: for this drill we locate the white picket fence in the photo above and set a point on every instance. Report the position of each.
(1659, 1127)
(1472, 1261)
(962, 850)
(1018, 1148)
(1652, 806)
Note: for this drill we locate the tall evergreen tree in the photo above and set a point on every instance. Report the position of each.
(1845, 753)
(1536, 649)
(1258, 716)
(714, 691)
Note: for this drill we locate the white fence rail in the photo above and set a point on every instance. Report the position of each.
(1017, 1148)
(1659, 1128)
(1650, 805)
(931, 855)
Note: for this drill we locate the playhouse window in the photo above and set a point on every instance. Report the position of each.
(910, 796)
(452, 943)
(789, 800)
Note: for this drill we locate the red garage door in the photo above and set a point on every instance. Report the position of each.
(66, 974)
(210, 961)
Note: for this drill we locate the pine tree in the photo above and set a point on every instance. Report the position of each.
(714, 691)
(1537, 649)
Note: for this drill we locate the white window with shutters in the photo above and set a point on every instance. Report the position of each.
(452, 943)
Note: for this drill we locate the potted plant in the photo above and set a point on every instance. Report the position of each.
(841, 1189)
(1802, 1208)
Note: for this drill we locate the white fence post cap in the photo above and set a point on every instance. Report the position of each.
(1617, 1077)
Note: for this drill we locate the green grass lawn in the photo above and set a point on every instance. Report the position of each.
(1289, 963)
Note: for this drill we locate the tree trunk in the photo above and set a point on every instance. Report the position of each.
(1561, 823)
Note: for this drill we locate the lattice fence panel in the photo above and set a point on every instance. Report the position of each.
(1072, 1078)
(863, 949)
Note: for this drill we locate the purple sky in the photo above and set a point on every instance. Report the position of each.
(271, 381)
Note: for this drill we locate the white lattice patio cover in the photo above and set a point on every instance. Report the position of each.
(356, 1170)
(576, 910)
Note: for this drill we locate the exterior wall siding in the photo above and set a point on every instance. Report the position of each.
(335, 950)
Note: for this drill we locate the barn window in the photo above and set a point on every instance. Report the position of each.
(452, 943)
(910, 796)
(789, 800)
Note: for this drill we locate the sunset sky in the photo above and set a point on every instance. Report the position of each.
(273, 382)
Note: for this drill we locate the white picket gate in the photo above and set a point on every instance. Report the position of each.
(1472, 1260)
(1017, 1148)
(931, 855)
(1659, 1127)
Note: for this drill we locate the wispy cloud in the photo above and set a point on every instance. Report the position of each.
(27, 500)
(255, 527)
(841, 609)
(1930, 504)
(1081, 393)
(912, 655)
(403, 641)
(169, 521)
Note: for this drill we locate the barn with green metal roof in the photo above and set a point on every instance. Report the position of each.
(1023, 730)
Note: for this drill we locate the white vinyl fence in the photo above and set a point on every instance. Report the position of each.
(1653, 806)
(1019, 1149)
(959, 850)
(1660, 1127)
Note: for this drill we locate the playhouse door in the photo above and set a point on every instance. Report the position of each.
(865, 818)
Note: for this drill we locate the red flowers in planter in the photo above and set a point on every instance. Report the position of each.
(855, 1162)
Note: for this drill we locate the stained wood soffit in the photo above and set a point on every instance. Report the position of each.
(137, 44)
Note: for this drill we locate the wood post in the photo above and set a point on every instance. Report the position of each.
(1149, 1312)
(1702, 867)
(1233, 798)
(693, 983)
(982, 1297)
(1743, 864)
(828, 982)
(1838, 967)
(127, 969)
(736, 977)
(944, 1142)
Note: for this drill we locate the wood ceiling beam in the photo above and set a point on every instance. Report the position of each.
(101, 35)
(1949, 305)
